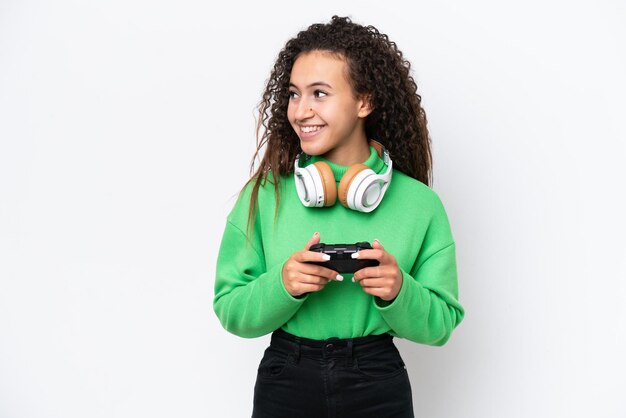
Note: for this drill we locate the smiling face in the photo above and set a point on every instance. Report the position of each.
(323, 111)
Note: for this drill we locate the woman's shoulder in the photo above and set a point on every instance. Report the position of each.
(415, 194)
(415, 191)
(265, 196)
(267, 185)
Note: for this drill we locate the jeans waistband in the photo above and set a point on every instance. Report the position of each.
(331, 347)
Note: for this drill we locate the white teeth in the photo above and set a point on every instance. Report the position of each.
(307, 129)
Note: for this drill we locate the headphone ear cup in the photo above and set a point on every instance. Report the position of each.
(346, 182)
(328, 182)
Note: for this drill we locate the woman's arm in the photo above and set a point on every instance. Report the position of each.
(250, 300)
(426, 309)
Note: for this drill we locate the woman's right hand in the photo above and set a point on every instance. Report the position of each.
(300, 277)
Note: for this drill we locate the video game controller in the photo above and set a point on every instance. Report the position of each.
(341, 256)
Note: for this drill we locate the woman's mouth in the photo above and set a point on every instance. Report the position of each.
(310, 131)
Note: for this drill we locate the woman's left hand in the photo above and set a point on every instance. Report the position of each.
(384, 280)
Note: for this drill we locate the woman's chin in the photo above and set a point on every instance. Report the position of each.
(311, 148)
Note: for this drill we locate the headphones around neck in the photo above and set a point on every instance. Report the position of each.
(360, 188)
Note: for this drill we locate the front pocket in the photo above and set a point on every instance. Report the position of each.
(273, 363)
(381, 364)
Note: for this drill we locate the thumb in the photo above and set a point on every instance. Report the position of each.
(376, 245)
(314, 240)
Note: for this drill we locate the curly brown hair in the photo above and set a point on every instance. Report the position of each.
(376, 68)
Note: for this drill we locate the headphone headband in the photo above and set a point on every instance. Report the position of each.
(360, 188)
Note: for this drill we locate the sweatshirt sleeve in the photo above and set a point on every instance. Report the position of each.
(426, 310)
(250, 300)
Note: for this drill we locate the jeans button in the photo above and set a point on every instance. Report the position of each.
(329, 347)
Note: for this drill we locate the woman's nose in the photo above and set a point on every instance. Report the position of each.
(304, 110)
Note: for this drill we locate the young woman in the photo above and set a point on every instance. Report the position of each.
(342, 120)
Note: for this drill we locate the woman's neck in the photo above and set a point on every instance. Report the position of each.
(349, 154)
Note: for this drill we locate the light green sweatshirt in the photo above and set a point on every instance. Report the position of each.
(410, 223)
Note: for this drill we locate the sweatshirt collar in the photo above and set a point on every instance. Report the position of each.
(373, 161)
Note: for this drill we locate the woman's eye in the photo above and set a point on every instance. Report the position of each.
(316, 93)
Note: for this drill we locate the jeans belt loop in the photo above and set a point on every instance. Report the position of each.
(350, 353)
(297, 356)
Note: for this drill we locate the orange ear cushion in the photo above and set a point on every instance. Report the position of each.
(328, 182)
(346, 180)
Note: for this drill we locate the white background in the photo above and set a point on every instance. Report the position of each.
(127, 128)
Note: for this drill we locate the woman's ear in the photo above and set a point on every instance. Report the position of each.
(365, 105)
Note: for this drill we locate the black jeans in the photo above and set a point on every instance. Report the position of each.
(355, 377)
